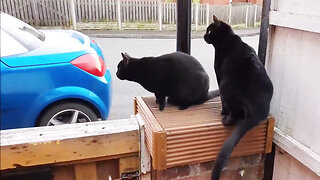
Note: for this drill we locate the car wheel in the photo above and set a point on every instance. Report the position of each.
(67, 113)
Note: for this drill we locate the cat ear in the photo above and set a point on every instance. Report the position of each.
(216, 20)
(128, 56)
(125, 57)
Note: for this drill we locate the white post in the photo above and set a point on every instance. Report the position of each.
(207, 14)
(230, 13)
(197, 16)
(255, 15)
(73, 14)
(160, 14)
(119, 14)
(247, 14)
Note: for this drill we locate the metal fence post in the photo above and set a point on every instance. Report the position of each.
(207, 14)
(264, 31)
(184, 25)
(197, 16)
(73, 14)
(119, 14)
(160, 14)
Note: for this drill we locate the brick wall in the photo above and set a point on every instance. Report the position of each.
(242, 168)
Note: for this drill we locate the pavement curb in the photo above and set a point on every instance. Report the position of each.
(160, 35)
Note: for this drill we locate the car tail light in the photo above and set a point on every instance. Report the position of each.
(90, 63)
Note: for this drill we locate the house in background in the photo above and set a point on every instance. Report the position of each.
(211, 2)
(259, 2)
(215, 2)
(224, 2)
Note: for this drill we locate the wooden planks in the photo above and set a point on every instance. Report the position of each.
(68, 143)
(196, 134)
(86, 171)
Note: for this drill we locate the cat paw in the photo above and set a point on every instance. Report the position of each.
(161, 106)
(228, 120)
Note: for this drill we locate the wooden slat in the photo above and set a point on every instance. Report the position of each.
(86, 171)
(269, 137)
(194, 135)
(41, 12)
(58, 144)
(103, 8)
(59, 3)
(304, 22)
(48, 15)
(149, 114)
(78, 8)
(208, 156)
(213, 151)
(195, 142)
(31, 19)
(54, 11)
(67, 12)
(50, 8)
(216, 145)
(159, 142)
(96, 9)
(129, 164)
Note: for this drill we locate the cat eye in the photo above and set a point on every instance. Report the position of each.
(208, 32)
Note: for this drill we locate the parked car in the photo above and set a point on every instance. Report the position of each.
(50, 77)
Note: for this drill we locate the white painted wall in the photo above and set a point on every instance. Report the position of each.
(303, 7)
(294, 67)
(293, 63)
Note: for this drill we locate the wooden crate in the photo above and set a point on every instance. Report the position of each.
(175, 137)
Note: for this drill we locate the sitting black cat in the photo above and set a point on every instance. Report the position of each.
(178, 76)
(245, 88)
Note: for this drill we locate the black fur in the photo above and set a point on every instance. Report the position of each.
(178, 76)
(244, 86)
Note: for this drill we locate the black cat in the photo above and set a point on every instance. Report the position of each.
(178, 76)
(244, 86)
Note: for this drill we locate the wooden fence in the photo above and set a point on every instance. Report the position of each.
(70, 12)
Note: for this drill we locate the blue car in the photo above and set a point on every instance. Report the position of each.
(50, 77)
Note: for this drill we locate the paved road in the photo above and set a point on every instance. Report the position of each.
(125, 91)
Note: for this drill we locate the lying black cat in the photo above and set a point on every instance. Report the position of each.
(244, 86)
(178, 76)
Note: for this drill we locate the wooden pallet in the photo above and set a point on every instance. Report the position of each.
(178, 137)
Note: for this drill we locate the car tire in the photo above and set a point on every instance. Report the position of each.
(67, 113)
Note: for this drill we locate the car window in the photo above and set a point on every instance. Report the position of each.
(10, 46)
(23, 33)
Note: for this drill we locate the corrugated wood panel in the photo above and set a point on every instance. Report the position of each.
(195, 134)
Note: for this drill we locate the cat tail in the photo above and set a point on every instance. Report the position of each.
(213, 94)
(239, 131)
